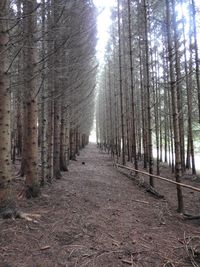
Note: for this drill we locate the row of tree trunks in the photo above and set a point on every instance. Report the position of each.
(149, 98)
(47, 79)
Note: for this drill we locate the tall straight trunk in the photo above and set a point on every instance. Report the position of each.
(110, 109)
(166, 107)
(190, 145)
(156, 119)
(30, 96)
(189, 104)
(5, 131)
(142, 94)
(19, 116)
(116, 120)
(125, 89)
(50, 103)
(56, 143)
(116, 114)
(139, 128)
(150, 145)
(120, 86)
(174, 108)
(57, 56)
(197, 68)
(166, 124)
(67, 144)
(127, 119)
(107, 112)
(73, 144)
(43, 104)
(179, 89)
(161, 141)
(49, 137)
(134, 149)
(171, 133)
(63, 141)
(144, 126)
(77, 138)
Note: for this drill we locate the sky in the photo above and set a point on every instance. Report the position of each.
(103, 24)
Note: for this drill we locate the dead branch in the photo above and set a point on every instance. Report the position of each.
(159, 177)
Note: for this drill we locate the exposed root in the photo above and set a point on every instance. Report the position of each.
(29, 192)
(57, 174)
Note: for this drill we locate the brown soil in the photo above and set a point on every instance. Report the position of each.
(95, 216)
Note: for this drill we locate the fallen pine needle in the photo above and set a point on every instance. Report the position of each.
(44, 248)
(127, 262)
(141, 201)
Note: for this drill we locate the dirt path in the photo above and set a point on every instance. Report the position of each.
(95, 216)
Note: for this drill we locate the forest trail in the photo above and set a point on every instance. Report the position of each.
(94, 216)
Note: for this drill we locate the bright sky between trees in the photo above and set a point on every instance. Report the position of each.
(103, 24)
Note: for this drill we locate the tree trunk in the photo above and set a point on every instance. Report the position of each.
(174, 109)
(63, 141)
(120, 86)
(30, 96)
(43, 105)
(5, 132)
(134, 149)
(49, 104)
(197, 69)
(150, 145)
(179, 89)
(56, 143)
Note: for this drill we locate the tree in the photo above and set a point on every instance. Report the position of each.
(120, 86)
(30, 99)
(5, 130)
(132, 88)
(173, 90)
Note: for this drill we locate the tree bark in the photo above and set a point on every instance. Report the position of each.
(5, 131)
(174, 109)
(30, 97)
(120, 86)
(134, 149)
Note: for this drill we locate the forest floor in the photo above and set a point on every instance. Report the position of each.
(96, 216)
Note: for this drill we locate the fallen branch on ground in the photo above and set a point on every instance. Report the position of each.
(191, 217)
(141, 201)
(30, 217)
(159, 177)
(128, 262)
(145, 185)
